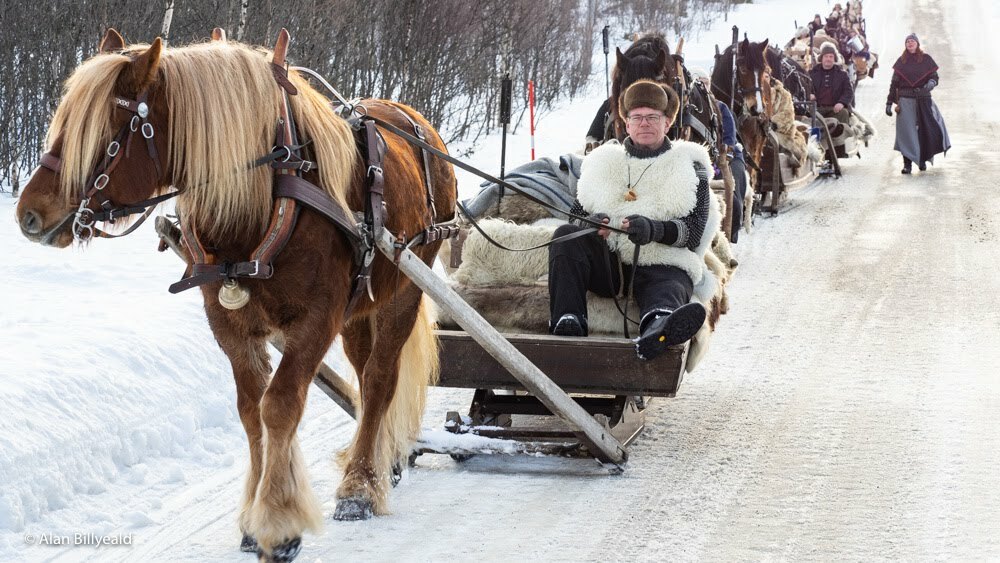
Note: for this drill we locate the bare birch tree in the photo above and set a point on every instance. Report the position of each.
(168, 18)
(443, 57)
(244, 4)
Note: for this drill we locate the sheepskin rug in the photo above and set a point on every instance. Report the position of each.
(510, 289)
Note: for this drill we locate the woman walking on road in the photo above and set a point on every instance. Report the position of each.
(920, 129)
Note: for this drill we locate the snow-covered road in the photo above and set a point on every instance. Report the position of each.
(846, 411)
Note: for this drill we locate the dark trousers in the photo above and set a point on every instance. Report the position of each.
(842, 116)
(585, 264)
(740, 180)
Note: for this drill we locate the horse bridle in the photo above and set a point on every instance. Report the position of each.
(85, 218)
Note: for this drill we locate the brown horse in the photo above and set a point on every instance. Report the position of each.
(647, 58)
(207, 111)
(750, 102)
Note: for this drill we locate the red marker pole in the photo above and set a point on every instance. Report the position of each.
(531, 115)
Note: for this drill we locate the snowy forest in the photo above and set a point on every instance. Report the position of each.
(443, 57)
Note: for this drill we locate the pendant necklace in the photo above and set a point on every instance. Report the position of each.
(630, 195)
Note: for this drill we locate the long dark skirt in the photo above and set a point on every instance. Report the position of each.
(920, 130)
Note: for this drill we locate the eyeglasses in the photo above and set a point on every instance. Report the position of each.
(638, 119)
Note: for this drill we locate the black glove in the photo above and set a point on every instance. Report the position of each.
(598, 217)
(643, 230)
(888, 109)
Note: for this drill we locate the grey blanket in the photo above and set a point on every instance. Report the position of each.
(550, 181)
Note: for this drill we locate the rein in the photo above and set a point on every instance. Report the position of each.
(422, 144)
(452, 160)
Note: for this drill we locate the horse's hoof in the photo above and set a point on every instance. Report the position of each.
(248, 544)
(353, 508)
(282, 553)
(397, 474)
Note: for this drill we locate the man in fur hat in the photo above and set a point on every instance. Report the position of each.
(657, 191)
(831, 86)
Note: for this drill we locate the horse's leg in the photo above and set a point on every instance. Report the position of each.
(284, 505)
(393, 389)
(357, 336)
(251, 367)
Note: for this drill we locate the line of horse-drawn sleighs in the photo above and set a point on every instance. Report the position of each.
(786, 142)
(296, 214)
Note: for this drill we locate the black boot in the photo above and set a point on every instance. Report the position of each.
(570, 325)
(907, 166)
(922, 167)
(667, 329)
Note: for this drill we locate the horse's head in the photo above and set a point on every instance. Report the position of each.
(792, 75)
(641, 66)
(753, 76)
(647, 59)
(106, 147)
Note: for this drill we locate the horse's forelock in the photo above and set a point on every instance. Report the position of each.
(83, 119)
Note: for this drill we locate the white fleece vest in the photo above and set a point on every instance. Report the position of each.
(666, 188)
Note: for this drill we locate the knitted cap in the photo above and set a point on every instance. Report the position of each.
(827, 49)
(649, 94)
(914, 37)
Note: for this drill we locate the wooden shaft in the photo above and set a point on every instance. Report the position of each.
(603, 445)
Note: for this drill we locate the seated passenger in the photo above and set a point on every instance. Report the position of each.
(831, 87)
(657, 191)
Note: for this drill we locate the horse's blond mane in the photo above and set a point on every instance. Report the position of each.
(83, 119)
(223, 105)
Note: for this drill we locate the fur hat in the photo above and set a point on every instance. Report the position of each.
(828, 49)
(649, 94)
(914, 37)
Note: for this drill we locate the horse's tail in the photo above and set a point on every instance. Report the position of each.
(418, 368)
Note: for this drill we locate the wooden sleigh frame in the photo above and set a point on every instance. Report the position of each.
(780, 176)
(610, 385)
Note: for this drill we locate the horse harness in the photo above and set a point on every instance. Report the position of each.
(696, 117)
(84, 219)
(291, 192)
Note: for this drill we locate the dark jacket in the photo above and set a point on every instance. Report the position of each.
(599, 126)
(831, 86)
(729, 130)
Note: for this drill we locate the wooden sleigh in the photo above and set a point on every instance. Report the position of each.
(600, 374)
(535, 394)
(782, 172)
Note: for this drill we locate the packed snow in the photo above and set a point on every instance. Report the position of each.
(846, 410)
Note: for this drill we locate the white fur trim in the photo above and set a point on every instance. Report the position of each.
(665, 190)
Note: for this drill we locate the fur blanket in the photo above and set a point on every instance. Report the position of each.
(786, 127)
(510, 289)
(860, 129)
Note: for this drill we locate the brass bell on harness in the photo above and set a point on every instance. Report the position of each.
(233, 296)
